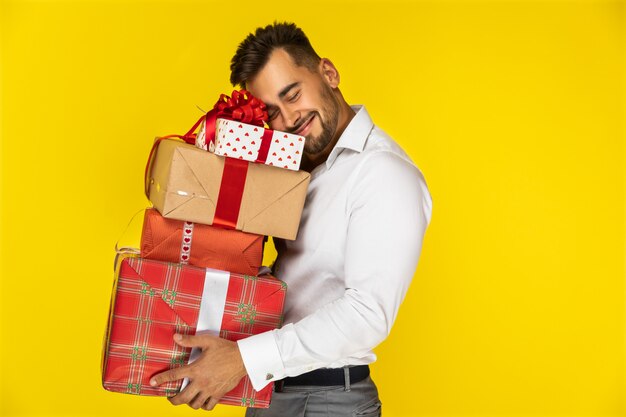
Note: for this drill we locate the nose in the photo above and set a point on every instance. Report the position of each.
(291, 117)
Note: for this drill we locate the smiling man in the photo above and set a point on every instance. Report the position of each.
(358, 245)
(299, 100)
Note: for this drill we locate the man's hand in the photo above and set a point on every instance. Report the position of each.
(218, 369)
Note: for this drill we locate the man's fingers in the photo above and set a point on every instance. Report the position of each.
(199, 400)
(211, 403)
(185, 396)
(198, 340)
(170, 375)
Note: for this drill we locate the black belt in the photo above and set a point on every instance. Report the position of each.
(326, 377)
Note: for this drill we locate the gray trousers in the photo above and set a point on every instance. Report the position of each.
(349, 400)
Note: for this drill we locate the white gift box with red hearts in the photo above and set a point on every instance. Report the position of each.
(257, 144)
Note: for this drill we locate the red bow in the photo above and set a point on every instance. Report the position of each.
(241, 107)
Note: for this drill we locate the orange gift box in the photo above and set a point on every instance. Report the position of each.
(171, 240)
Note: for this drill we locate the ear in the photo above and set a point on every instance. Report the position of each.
(329, 72)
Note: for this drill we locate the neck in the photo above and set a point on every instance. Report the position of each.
(309, 161)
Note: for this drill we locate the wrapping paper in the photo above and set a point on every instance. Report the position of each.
(186, 183)
(200, 245)
(152, 300)
(255, 144)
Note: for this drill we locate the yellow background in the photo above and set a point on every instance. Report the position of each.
(514, 111)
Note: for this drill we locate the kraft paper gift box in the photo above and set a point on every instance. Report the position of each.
(195, 244)
(254, 143)
(186, 183)
(153, 300)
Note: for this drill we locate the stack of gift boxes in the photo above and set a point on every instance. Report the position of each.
(216, 195)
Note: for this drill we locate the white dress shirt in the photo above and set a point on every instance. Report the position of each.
(359, 241)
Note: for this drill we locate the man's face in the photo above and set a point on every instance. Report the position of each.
(298, 101)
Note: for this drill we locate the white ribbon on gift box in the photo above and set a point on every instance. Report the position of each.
(211, 308)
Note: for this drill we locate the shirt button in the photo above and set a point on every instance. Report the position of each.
(268, 377)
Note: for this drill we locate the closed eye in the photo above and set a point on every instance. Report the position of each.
(294, 97)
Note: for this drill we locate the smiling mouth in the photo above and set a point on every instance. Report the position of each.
(305, 125)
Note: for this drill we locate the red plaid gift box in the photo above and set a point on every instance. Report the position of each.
(152, 300)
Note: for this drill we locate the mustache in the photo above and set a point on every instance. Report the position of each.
(304, 121)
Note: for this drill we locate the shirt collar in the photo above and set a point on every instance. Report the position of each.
(354, 136)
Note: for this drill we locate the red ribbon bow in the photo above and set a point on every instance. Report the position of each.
(241, 107)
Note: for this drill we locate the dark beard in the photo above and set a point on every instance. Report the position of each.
(312, 145)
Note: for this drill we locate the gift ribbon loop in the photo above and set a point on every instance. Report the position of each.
(241, 107)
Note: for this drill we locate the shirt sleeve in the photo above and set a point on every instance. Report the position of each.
(389, 207)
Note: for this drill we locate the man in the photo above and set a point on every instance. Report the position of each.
(358, 245)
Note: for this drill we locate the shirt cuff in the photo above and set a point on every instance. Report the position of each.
(261, 358)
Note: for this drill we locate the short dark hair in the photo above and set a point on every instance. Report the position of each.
(254, 51)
